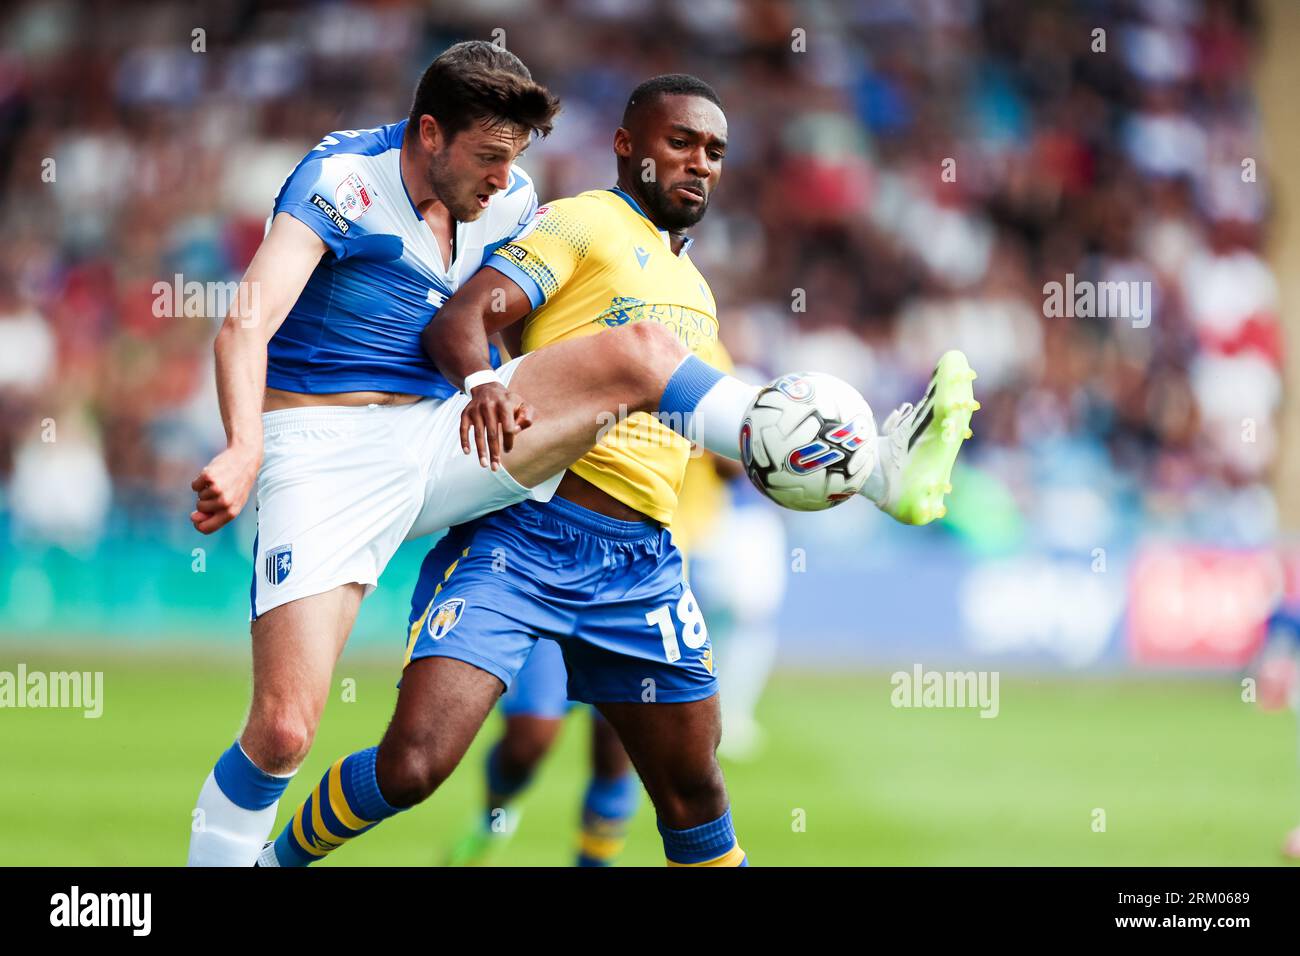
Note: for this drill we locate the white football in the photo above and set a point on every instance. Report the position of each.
(808, 441)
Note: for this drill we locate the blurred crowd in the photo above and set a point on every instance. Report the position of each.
(903, 177)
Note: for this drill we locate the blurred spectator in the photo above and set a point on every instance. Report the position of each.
(903, 178)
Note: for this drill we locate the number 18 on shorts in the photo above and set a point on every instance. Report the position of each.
(611, 593)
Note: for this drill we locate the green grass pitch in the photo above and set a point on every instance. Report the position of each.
(1184, 772)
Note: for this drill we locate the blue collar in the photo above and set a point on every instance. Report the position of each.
(399, 134)
(627, 198)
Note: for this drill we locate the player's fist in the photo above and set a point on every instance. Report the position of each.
(495, 415)
(223, 488)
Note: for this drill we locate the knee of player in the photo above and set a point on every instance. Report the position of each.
(409, 772)
(278, 741)
(694, 796)
(642, 355)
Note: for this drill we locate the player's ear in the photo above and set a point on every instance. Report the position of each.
(431, 136)
(622, 142)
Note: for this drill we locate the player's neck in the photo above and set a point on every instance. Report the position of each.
(418, 186)
(676, 239)
(427, 203)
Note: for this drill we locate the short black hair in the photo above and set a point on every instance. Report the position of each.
(477, 81)
(668, 84)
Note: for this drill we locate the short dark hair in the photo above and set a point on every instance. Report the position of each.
(477, 81)
(668, 84)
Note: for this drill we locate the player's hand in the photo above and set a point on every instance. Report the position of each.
(223, 488)
(495, 415)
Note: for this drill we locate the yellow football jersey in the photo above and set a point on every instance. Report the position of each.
(595, 262)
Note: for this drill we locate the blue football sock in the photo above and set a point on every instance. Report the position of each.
(706, 406)
(709, 844)
(606, 810)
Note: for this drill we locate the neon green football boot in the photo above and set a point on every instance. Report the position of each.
(918, 444)
(481, 844)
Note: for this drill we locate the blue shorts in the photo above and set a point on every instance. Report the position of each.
(612, 593)
(541, 688)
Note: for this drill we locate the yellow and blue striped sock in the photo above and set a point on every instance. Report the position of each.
(345, 804)
(606, 810)
(709, 844)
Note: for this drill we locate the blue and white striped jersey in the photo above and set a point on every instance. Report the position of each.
(357, 324)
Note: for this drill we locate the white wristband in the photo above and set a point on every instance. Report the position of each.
(475, 379)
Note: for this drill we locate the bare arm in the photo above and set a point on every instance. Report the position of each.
(510, 341)
(456, 340)
(274, 280)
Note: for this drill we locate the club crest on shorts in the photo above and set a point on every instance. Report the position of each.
(279, 562)
(444, 617)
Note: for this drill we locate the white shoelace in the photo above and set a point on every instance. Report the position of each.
(896, 418)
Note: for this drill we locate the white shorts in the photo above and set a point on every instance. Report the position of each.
(342, 487)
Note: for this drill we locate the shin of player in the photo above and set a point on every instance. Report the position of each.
(609, 800)
(535, 709)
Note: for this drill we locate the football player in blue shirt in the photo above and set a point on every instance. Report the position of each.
(333, 409)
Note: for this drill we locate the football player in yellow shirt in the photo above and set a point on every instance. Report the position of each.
(536, 705)
(595, 567)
